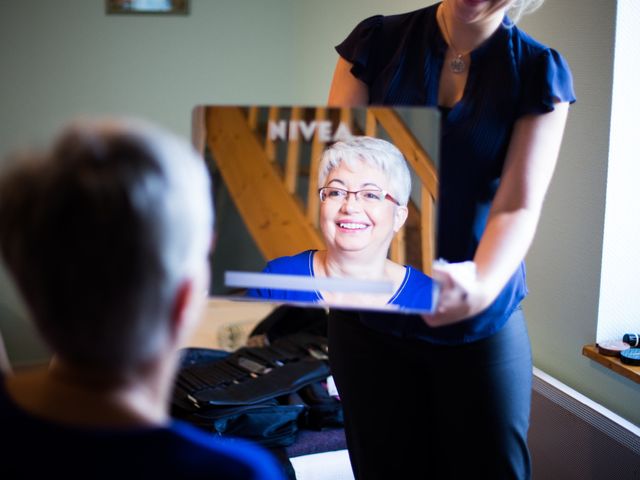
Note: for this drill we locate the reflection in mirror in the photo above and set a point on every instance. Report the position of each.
(324, 206)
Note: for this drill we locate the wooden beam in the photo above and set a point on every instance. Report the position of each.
(346, 117)
(274, 218)
(293, 156)
(253, 118)
(371, 124)
(413, 236)
(270, 145)
(416, 156)
(427, 233)
(398, 247)
(313, 201)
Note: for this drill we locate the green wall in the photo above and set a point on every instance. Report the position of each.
(63, 58)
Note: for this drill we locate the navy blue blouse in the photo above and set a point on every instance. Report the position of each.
(40, 448)
(400, 58)
(414, 292)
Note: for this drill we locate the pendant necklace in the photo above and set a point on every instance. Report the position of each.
(457, 64)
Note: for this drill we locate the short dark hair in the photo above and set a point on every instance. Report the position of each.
(98, 233)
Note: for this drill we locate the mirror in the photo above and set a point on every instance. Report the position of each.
(264, 164)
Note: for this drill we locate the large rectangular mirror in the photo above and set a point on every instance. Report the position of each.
(264, 162)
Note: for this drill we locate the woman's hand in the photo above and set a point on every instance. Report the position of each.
(464, 290)
(460, 293)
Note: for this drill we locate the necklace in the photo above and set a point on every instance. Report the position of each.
(457, 64)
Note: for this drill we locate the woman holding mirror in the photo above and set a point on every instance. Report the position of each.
(450, 394)
(364, 186)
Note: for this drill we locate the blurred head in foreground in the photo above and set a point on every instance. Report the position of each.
(107, 236)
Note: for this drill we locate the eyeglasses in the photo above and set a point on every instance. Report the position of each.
(339, 195)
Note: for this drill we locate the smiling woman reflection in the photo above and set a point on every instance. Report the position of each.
(364, 185)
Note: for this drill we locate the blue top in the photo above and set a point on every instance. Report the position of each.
(414, 293)
(33, 447)
(400, 58)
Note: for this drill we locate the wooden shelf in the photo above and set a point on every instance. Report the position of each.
(612, 363)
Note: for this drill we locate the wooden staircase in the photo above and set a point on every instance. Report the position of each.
(268, 158)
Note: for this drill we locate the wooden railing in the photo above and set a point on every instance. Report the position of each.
(265, 175)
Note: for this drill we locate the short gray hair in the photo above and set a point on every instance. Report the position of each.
(100, 231)
(376, 153)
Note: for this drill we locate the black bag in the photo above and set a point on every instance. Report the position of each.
(324, 410)
(246, 393)
(267, 391)
(287, 320)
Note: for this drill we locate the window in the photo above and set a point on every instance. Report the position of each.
(619, 309)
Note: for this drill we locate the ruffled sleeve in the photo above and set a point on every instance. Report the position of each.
(548, 81)
(360, 46)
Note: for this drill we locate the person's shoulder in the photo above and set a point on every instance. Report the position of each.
(415, 291)
(177, 450)
(221, 457)
(528, 47)
(544, 69)
(293, 264)
(418, 278)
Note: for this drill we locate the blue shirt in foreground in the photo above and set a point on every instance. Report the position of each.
(37, 448)
(415, 292)
(400, 58)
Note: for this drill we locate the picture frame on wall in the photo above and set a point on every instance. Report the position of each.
(162, 7)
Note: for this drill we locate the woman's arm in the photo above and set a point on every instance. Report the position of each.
(512, 222)
(347, 90)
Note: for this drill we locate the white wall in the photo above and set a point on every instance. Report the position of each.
(61, 58)
(619, 299)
